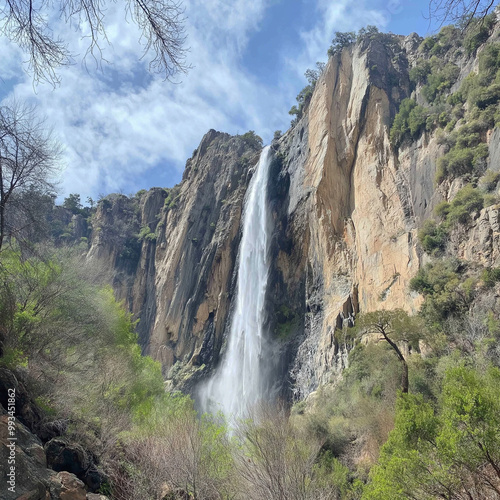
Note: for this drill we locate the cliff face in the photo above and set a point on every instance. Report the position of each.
(346, 207)
(178, 279)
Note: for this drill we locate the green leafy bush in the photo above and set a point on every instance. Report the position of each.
(418, 74)
(445, 290)
(440, 450)
(408, 122)
(490, 276)
(251, 139)
(440, 80)
(478, 32)
(341, 40)
(432, 237)
(466, 201)
(489, 180)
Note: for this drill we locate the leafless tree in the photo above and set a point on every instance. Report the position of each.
(161, 23)
(29, 157)
(275, 461)
(459, 10)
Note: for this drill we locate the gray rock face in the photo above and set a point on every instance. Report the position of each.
(346, 208)
(181, 283)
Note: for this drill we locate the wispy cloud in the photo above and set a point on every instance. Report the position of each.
(342, 15)
(118, 123)
(121, 123)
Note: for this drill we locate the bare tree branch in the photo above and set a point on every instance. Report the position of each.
(459, 11)
(161, 22)
(29, 157)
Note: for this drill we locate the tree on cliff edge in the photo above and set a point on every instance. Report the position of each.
(29, 156)
(161, 23)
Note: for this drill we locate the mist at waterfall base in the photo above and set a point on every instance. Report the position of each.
(242, 379)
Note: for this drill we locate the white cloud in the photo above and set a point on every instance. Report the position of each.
(122, 123)
(114, 129)
(342, 15)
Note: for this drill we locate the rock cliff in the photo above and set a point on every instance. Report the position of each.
(347, 206)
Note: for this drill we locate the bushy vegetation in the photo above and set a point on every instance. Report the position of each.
(449, 449)
(433, 237)
(409, 122)
(304, 96)
(252, 140)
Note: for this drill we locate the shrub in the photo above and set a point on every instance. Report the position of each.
(432, 236)
(478, 32)
(419, 73)
(251, 139)
(489, 181)
(462, 160)
(490, 276)
(449, 449)
(454, 163)
(145, 234)
(341, 40)
(445, 291)
(439, 81)
(408, 122)
(417, 120)
(466, 201)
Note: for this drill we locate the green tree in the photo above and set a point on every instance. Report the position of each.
(451, 451)
(341, 40)
(72, 203)
(394, 327)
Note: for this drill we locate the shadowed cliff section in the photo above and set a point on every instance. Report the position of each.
(180, 284)
(346, 204)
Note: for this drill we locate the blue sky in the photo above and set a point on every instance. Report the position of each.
(124, 129)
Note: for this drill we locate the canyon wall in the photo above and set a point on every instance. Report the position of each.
(346, 206)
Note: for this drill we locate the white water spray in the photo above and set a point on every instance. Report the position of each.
(240, 381)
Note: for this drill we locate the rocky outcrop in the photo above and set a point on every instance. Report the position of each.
(180, 285)
(346, 207)
(24, 469)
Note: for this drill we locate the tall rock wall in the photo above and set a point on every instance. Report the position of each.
(346, 207)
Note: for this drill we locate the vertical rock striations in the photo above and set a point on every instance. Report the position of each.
(346, 208)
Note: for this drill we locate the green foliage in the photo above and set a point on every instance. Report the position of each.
(419, 73)
(312, 75)
(478, 32)
(445, 290)
(286, 321)
(145, 234)
(341, 40)
(370, 32)
(428, 43)
(172, 199)
(462, 160)
(439, 80)
(490, 276)
(408, 122)
(78, 341)
(432, 237)
(443, 451)
(72, 203)
(467, 201)
(252, 140)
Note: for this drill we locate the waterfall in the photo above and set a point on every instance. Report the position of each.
(240, 381)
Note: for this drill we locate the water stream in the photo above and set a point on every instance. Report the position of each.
(241, 379)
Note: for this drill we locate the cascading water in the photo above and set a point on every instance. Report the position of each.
(240, 382)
